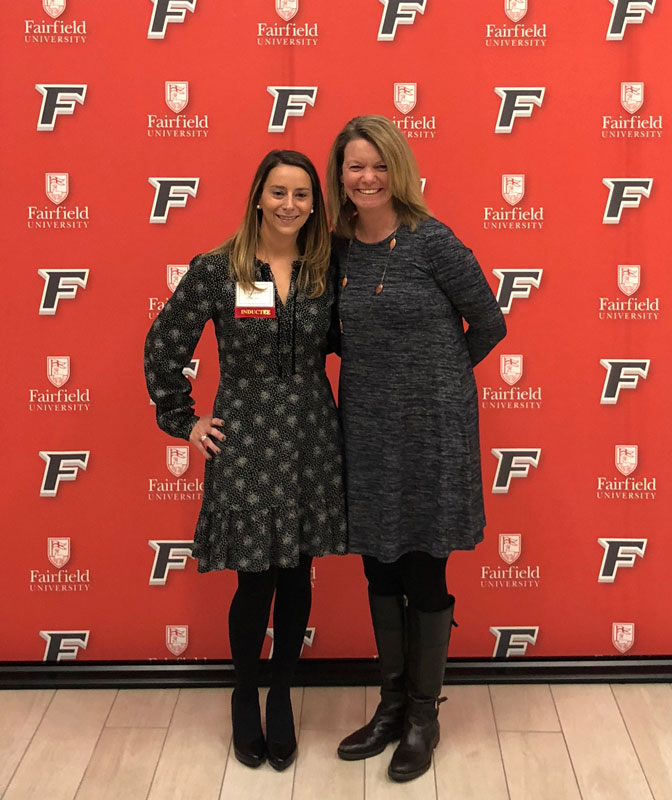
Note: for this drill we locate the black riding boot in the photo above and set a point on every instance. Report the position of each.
(388, 616)
(428, 638)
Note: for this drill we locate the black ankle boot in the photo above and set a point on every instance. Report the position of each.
(428, 638)
(386, 725)
(248, 738)
(280, 735)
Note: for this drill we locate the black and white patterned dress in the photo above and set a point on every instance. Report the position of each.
(276, 488)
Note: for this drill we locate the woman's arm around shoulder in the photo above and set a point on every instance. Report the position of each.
(460, 276)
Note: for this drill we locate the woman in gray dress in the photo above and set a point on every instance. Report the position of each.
(273, 496)
(409, 411)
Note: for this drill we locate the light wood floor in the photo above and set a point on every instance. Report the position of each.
(562, 742)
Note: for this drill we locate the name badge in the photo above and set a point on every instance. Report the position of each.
(259, 302)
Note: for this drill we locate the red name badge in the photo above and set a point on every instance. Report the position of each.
(258, 302)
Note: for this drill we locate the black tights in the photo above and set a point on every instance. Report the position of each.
(419, 576)
(248, 618)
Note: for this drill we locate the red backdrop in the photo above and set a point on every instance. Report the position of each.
(517, 114)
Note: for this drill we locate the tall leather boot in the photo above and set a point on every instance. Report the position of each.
(428, 638)
(388, 614)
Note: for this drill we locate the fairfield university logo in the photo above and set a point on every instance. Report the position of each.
(398, 12)
(622, 373)
(58, 398)
(61, 465)
(169, 554)
(286, 33)
(516, 101)
(626, 461)
(60, 284)
(619, 553)
(167, 11)
(170, 193)
(510, 576)
(58, 99)
(289, 101)
(513, 462)
(627, 12)
(405, 97)
(308, 639)
(57, 189)
(174, 274)
(177, 125)
(61, 579)
(513, 640)
(182, 488)
(516, 218)
(515, 284)
(623, 635)
(629, 308)
(53, 30)
(515, 397)
(518, 34)
(64, 645)
(632, 125)
(624, 193)
(177, 638)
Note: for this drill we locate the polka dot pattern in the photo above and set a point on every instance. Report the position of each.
(275, 490)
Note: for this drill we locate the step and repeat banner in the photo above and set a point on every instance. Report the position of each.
(542, 131)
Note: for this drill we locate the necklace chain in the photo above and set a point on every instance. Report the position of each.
(379, 287)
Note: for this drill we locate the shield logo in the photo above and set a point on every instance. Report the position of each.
(628, 278)
(177, 638)
(286, 9)
(626, 458)
(515, 9)
(632, 96)
(623, 635)
(405, 96)
(513, 188)
(177, 95)
(54, 7)
(510, 546)
(511, 368)
(58, 551)
(177, 459)
(174, 273)
(58, 370)
(57, 186)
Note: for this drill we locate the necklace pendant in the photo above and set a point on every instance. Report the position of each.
(393, 243)
(379, 288)
(344, 282)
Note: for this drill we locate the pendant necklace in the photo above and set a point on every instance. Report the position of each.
(379, 288)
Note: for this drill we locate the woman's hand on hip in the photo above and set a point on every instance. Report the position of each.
(204, 434)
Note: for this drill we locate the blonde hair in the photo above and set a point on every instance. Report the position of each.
(313, 240)
(402, 169)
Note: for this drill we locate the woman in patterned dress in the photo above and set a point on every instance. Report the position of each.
(273, 496)
(409, 411)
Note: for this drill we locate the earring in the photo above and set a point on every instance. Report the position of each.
(312, 210)
(258, 207)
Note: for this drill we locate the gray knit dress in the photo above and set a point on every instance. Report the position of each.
(407, 394)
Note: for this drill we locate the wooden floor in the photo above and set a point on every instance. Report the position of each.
(562, 742)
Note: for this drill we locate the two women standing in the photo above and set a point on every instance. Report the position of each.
(273, 495)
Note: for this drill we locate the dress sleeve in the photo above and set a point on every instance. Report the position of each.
(170, 344)
(459, 275)
(334, 332)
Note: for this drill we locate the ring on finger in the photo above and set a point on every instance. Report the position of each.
(204, 437)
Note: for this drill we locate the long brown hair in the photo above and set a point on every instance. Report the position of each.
(402, 169)
(313, 239)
